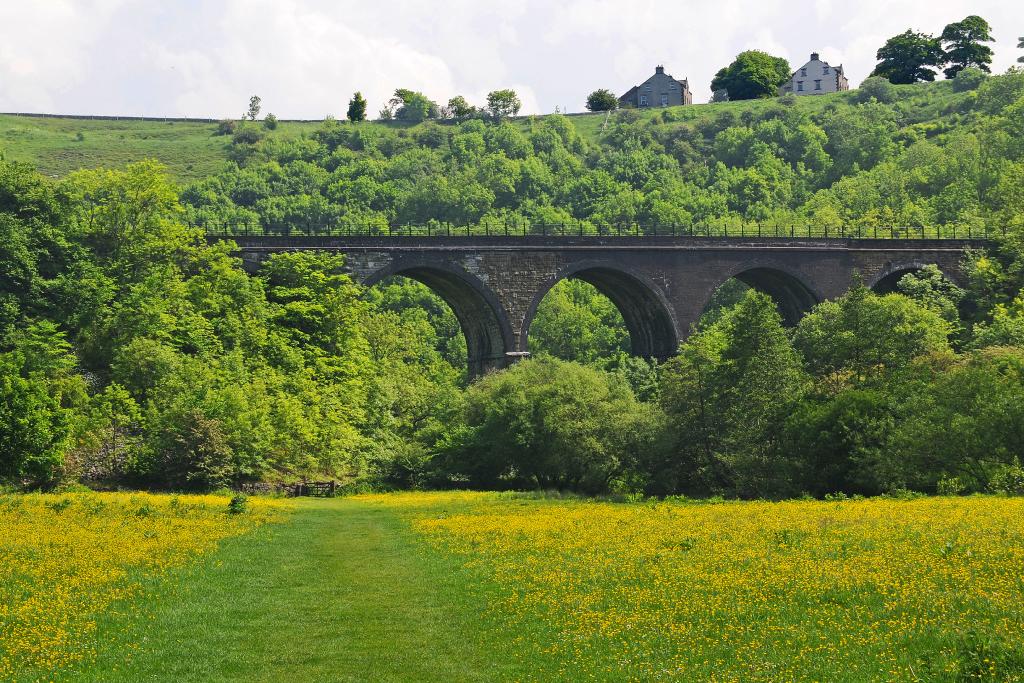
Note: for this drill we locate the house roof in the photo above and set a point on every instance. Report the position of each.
(685, 83)
(837, 69)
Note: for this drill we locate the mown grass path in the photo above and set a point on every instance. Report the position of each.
(340, 592)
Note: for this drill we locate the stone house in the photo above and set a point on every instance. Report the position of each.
(660, 90)
(815, 78)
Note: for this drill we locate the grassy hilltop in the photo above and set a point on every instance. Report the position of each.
(192, 149)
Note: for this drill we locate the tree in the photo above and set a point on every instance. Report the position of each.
(859, 337)
(930, 288)
(909, 57)
(357, 108)
(977, 405)
(38, 391)
(254, 107)
(414, 107)
(503, 103)
(753, 74)
(725, 396)
(963, 42)
(458, 108)
(576, 322)
(550, 424)
(1020, 46)
(602, 100)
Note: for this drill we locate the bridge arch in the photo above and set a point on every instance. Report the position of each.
(789, 289)
(481, 317)
(649, 318)
(887, 280)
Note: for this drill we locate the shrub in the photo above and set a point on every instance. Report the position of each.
(999, 92)
(226, 127)
(551, 424)
(602, 100)
(876, 87)
(950, 486)
(968, 79)
(270, 122)
(247, 135)
(236, 505)
(1008, 479)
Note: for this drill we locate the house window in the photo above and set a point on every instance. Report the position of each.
(803, 71)
(824, 69)
(817, 85)
(800, 85)
(643, 100)
(664, 100)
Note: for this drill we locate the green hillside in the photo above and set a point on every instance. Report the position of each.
(192, 150)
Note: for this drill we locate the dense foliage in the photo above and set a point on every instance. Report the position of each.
(939, 154)
(133, 352)
(751, 75)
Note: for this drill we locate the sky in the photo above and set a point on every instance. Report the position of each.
(305, 58)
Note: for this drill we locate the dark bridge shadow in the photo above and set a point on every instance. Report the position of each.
(646, 313)
(888, 281)
(791, 295)
(486, 328)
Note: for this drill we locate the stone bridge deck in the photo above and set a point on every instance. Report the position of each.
(661, 285)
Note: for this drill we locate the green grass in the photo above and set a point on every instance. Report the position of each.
(497, 587)
(190, 150)
(340, 592)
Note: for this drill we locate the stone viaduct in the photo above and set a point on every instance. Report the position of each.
(661, 285)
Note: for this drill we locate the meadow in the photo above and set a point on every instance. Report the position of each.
(66, 560)
(489, 586)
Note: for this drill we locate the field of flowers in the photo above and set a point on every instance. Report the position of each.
(881, 589)
(65, 559)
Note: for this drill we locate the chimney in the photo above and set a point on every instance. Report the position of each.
(659, 69)
(814, 56)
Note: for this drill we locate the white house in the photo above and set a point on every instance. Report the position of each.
(815, 78)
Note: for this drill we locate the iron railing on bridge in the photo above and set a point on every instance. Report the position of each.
(586, 229)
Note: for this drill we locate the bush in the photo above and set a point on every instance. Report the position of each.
(270, 122)
(237, 504)
(968, 79)
(247, 135)
(550, 424)
(875, 87)
(602, 100)
(999, 92)
(226, 127)
(950, 486)
(1008, 479)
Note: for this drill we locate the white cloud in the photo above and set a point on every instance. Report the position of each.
(306, 57)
